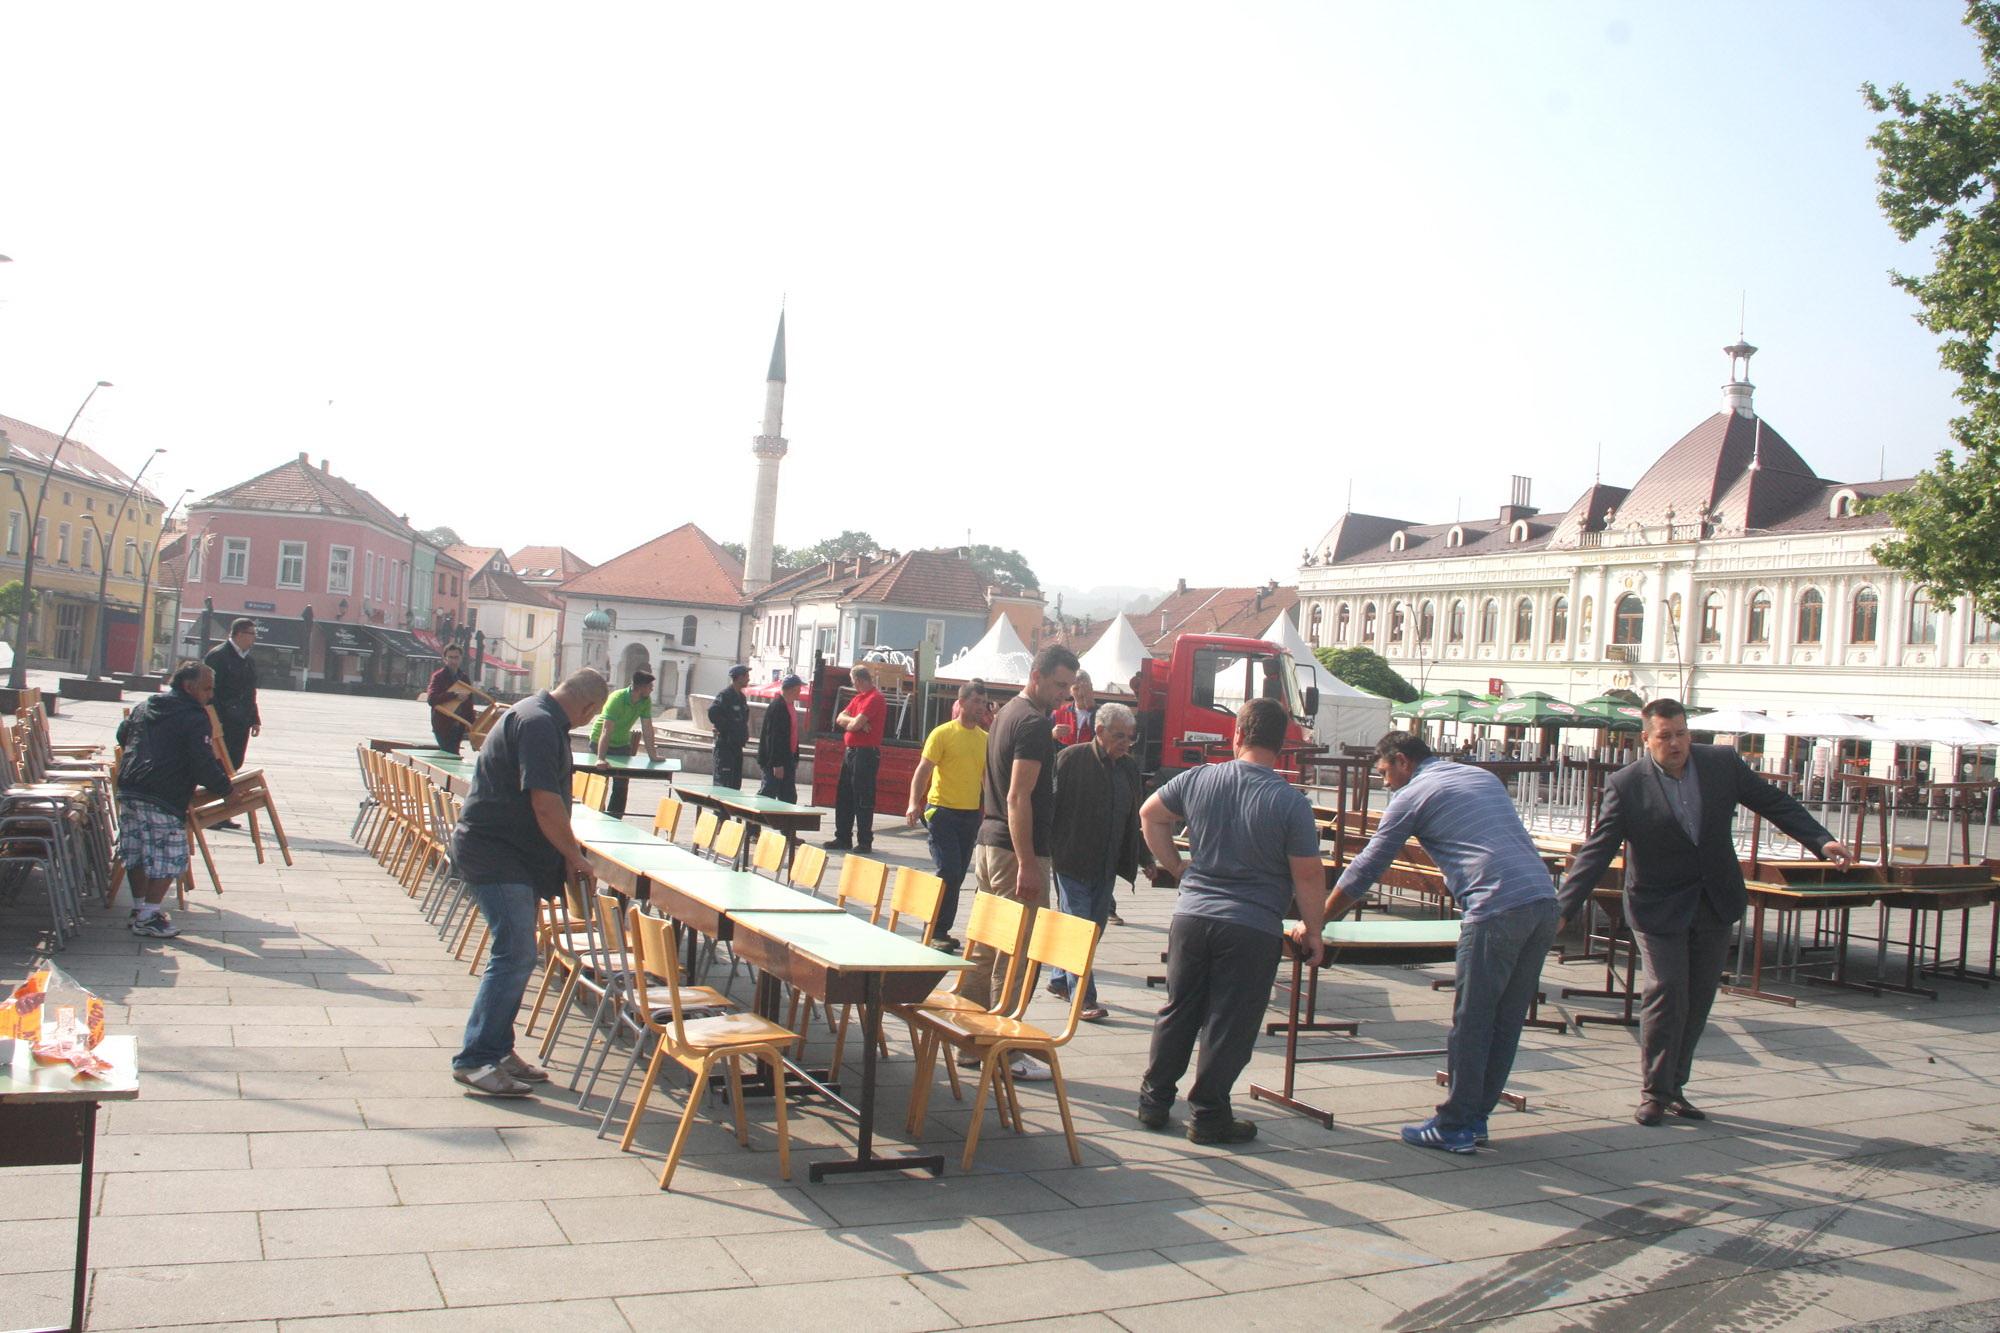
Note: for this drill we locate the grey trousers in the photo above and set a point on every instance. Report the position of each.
(1682, 971)
(1219, 977)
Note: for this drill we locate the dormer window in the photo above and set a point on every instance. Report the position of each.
(1456, 537)
(1399, 541)
(1843, 503)
(1519, 532)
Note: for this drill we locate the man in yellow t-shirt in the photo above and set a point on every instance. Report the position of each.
(944, 794)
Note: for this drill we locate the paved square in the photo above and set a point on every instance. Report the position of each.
(300, 1158)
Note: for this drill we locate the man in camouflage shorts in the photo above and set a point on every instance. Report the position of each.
(168, 753)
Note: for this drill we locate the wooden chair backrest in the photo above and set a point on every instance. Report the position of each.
(653, 956)
(729, 840)
(998, 922)
(770, 852)
(918, 896)
(862, 880)
(808, 867)
(215, 739)
(611, 926)
(705, 826)
(667, 819)
(1064, 941)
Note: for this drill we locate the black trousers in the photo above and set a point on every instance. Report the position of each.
(236, 740)
(728, 764)
(1682, 971)
(448, 734)
(1219, 977)
(782, 789)
(854, 800)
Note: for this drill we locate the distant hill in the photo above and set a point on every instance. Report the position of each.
(1108, 599)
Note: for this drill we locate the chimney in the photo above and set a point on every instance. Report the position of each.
(326, 466)
(1180, 586)
(1262, 593)
(304, 459)
(1517, 506)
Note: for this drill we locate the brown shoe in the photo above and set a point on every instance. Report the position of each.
(1685, 1109)
(1649, 1113)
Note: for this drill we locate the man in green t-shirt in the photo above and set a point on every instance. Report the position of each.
(611, 734)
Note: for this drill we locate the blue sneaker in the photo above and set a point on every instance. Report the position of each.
(1429, 1135)
(1479, 1131)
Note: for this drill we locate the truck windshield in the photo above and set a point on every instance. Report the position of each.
(1225, 679)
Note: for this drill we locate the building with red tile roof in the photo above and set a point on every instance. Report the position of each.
(515, 627)
(674, 605)
(1730, 574)
(1246, 612)
(548, 566)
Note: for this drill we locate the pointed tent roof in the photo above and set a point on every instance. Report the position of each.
(684, 567)
(1116, 657)
(999, 658)
(1286, 635)
(777, 371)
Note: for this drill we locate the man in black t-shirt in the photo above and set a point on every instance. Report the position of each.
(1017, 811)
(513, 845)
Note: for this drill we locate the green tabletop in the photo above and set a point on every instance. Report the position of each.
(626, 765)
(655, 859)
(1384, 933)
(747, 801)
(847, 943)
(735, 892)
(434, 756)
(25, 1081)
(594, 826)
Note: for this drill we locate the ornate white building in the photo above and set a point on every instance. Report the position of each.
(1730, 575)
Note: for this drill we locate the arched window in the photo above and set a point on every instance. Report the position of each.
(1489, 620)
(1456, 630)
(1559, 621)
(1812, 616)
(1396, 618)
(1758, 630)
(1398, 541)
(1711, 618)
(1842, 505)
(1368, 622)
(1867, 612)
(1628, 619)
(1984, 626)
(1341, 622)
(1524, 620)
(1519, 531)
(1583, 623)
(1427, 622)
(1456, 537)
(1317, 623)
(1923, 618)
(688, 627)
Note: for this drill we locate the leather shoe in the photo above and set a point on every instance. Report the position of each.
(1685, 1109)
(1649, 1113)
(1153, 1117)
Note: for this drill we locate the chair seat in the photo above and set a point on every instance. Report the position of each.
(944, 1002)
(981, 1028)
(696, 997)
(738, 1029)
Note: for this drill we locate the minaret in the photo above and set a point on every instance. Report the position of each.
(769, 449)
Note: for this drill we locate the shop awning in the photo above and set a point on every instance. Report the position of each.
(351, 639)
(502, 664)
(289, 635)
(400, 643)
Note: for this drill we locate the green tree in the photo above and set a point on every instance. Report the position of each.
(846, 546)
(1365, 669)
(999, 565)
(442, 536)
(736, 549)
(1940, 159)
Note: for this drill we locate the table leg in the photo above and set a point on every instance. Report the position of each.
(1288, 1096)
(82, 1279)
(865, 1159)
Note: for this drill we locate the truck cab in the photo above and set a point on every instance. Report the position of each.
(1187, 703)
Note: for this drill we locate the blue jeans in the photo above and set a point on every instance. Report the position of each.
(951, 835)
(1080, 897)
(1499, 969)
(509, 910)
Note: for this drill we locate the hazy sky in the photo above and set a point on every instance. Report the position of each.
(1136, 289)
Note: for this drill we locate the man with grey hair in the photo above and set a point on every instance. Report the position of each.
(1096, 841)
(513, 845)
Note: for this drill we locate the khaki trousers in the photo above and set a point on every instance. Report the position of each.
(993, 871)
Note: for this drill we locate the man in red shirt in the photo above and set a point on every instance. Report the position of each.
(861, 723)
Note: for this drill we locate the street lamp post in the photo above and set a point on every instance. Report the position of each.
(17, 673)
(146, 563)
(97, 663)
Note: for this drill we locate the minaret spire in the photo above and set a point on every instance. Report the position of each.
(768, 449)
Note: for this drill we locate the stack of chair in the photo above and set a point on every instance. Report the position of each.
(55, 820)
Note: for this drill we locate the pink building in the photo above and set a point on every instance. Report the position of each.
(343, 588)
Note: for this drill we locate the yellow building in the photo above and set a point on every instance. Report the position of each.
(80, 525)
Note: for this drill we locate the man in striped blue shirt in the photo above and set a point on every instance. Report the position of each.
(1507, 899)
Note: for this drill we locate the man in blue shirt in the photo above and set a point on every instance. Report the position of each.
(1253, 853)
(1507, 900)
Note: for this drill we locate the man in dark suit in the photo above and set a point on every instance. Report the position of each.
(1684, 892)
(778, 744)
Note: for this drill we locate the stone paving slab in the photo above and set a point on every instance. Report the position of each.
(300, 1160)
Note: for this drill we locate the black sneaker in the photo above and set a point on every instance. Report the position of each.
(836, 845)
(1153, 1117)
(946, 944)
(1227, 1131)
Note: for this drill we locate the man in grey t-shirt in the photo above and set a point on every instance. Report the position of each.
(1253, 853)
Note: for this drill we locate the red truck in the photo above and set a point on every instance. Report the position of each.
(1186, 705)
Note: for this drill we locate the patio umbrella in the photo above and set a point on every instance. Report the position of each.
(1608, 712)
(1829, 726)
(1736, 722)
(1445, 706)
(1534, 709)
(1960, 732)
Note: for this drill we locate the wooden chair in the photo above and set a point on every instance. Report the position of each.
(728, 843)
(589, 789)
(619, 1013)
(808, 868)
(667, 819)
(483, 718)
(769, 854)
(706, 824)
(1058, 940)
(918, 895)
(697, 1045)
(863, 881)
(249, 795)
(998, 922)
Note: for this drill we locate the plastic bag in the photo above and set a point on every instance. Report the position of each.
(58, 1018)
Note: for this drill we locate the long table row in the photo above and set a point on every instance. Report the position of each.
(791, 939)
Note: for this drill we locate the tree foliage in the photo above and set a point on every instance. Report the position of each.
(846, 546)
(999, 565)
(1366, 669)
(1940, 158)
(10, 598)
(442, 536)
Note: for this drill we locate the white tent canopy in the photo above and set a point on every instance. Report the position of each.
(999, 658)
(1115, 658)
(1959, 732)
(1347, 716)
(1831, 726)
(1733, 722)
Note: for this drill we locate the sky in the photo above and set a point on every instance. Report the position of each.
(1143, 291)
